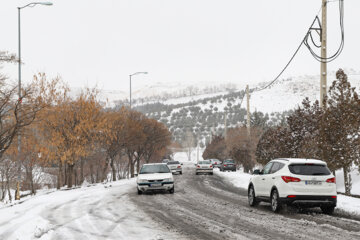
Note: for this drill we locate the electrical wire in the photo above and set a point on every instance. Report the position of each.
(305, 41)
(341, 47)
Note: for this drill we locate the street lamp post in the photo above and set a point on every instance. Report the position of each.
(33, 4)
(130, 82)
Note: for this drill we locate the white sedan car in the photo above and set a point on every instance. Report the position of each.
(155, 177)
(204, 166)
(302, 182)
(175, 166)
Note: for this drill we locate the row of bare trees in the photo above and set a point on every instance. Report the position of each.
(67, 140)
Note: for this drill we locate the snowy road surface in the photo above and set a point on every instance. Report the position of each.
(206, 207)
(203, 207)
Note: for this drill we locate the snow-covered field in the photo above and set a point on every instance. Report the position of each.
(241, 180)
(102, 211)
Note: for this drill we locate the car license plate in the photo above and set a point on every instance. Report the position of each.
(312, 183)
(156, 185)
(204, 167)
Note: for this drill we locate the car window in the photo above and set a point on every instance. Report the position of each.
(173, 162)
(309, 169)
(158, 168)
(267, 168)
(276, 167)
(205, 162)
(229, 161)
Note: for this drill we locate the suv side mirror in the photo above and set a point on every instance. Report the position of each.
(257, 172)
(135, 174)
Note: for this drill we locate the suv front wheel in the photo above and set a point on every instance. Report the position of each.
(275, 201)
(251, 197)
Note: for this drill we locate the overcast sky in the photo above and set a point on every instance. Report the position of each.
(101, 42)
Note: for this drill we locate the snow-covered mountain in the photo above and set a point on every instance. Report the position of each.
(285, 94)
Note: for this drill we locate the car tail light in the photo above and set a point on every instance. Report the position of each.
(291, 196)
(225, 165)
(333, 196)
(331, 180)
(290, 179)
(215, 162)
(179, 167)
(198, 166)
(211, 166)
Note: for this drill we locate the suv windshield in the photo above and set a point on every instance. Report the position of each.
(158, 168)
(309, 169)
(173, 162)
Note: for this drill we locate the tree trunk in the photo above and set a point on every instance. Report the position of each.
(33, 192)
(59, 180)
(69, 174)
(113, 170)
(92, 173)
(66, 175)
(347, 180)
(104, 175)
(81, 170)
(138, 165)
(76, 182)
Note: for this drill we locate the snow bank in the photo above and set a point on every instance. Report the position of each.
(238, 179)
(355, 178)
(241, 180)
(102, 211)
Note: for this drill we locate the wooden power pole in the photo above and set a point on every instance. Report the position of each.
(323, 73)
(225, 123)
(248, 110)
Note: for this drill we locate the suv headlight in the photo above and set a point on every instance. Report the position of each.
(168, 180)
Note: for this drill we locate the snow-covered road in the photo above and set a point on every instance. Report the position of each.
(203, 207)
(207, 207)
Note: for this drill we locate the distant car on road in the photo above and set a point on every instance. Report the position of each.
(155, 177)
(175, 166)
(301, 182)
(204, 166)
(216, 163)
(228, 165)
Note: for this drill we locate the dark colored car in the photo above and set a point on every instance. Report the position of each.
(228, 165)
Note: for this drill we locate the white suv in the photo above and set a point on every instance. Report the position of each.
(302, 182)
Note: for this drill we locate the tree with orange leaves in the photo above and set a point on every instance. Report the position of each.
(71, 127)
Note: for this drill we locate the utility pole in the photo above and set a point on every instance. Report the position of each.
(248, 110)
(323, 71)
(225, 128)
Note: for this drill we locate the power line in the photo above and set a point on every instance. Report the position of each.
(305, 41)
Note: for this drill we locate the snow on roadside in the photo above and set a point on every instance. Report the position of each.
(84, 213)
(241, 180)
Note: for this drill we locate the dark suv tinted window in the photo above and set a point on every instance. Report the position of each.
(309, 169)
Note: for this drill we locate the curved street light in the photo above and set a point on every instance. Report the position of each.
(33, 4)
(137, 73)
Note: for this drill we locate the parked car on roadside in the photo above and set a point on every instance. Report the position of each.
(300, 182)
(228, 165)
(175, 166)
(155, 177)
(204, 166)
